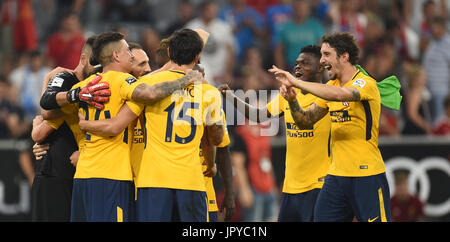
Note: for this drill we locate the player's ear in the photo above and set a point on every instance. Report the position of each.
(197, 58)
(115, 56)
(345, 56)
(83, 59)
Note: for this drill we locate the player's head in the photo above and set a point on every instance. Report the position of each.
(307, 66)
(338, 49)
(111, 48)
(140, 64)
(162, 55)
(185, 46)
(85, 56)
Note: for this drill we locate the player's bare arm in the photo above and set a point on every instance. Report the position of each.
(304, 119)
(109, 127)
(40, 129)
(225, 169)
(144, 93)
(248, 109)
(209, 155)
(327, 92)
(215, 134)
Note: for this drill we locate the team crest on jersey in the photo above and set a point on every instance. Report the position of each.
(130, 80)
(360, 83)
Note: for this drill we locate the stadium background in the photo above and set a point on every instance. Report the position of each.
(391, 35)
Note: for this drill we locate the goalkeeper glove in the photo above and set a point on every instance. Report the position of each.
(94, 93)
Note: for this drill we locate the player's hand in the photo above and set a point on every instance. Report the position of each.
(40, 150)
(74, 158)
(94, 93)
(223, 89)
(210, 172)
(282, 76)
(228, 205)
(288, 93)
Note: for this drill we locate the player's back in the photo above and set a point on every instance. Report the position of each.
(107, 156)
(174, 128)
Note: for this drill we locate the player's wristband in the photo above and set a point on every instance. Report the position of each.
(73, 95)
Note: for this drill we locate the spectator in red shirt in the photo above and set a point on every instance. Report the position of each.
(405, 207)
(64, 47)
(252, 165)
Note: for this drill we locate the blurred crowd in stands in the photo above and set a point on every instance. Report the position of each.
(406, 38)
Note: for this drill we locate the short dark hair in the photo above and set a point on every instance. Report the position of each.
(87, 49)
(343, 42)
(134, 45)
(103, 40)
(162, 57)
(184, 46)
(312, 49)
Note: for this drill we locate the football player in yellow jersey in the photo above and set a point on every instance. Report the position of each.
(356, 183)
(307, 149)
(170, 180)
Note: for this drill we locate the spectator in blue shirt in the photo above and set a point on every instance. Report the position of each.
(247, 24)
(277, 15)
(301, 30)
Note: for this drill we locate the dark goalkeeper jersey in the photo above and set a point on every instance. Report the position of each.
(56, 162)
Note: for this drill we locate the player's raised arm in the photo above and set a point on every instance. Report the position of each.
(327, 92)
(149, 94)
(304, 119)
(109, 127)
(248, 108)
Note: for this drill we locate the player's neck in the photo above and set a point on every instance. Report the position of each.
(347, 74)
(173, 66)
(114, 67)
(78, 72)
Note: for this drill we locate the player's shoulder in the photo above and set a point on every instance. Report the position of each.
(63, 78)
(208, 86)
(119, 77)
(361, 80)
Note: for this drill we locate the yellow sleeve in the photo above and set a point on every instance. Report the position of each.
(55, 123)
(226, 137)
(213, 102)
(127, 87)
(276, 106)
(70, 108)
(365, 87)
(321, 102)
(135, 107)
